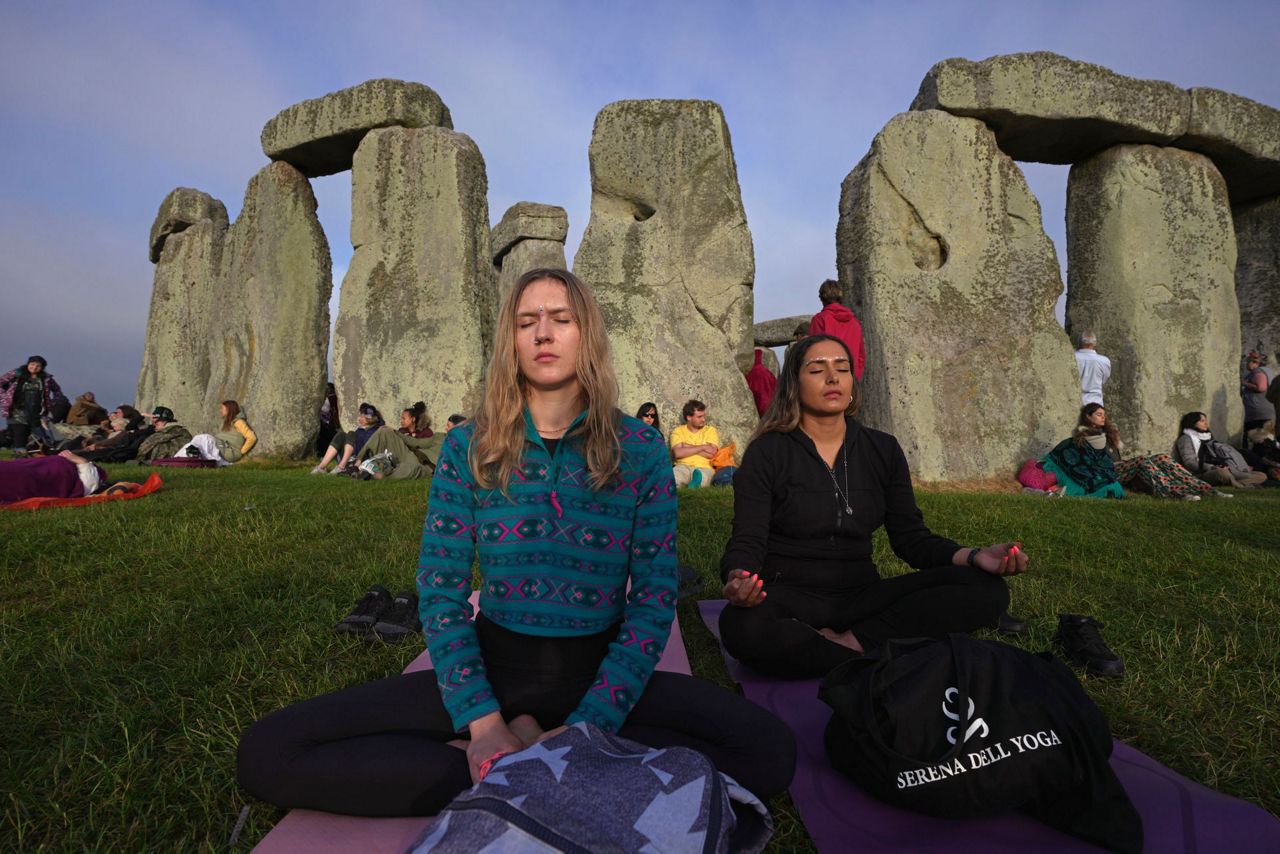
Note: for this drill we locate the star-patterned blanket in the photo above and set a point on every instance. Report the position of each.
(587, 790)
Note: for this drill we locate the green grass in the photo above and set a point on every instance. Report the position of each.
(138, 639)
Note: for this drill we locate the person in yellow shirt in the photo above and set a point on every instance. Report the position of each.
(226, 446)
(693, 444)
(236, 438)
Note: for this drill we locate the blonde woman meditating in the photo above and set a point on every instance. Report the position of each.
(570, 509)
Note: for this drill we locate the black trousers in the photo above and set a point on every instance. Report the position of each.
(18, 435)
(379, 749)
(779, 636)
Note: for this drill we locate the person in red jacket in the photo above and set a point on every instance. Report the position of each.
(762, 383)
(837, 320)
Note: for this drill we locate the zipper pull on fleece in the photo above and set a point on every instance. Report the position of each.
(555, 502)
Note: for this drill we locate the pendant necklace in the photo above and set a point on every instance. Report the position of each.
(841, 497)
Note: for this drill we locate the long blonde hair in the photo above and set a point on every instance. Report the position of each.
(783, 414)
(497, 447)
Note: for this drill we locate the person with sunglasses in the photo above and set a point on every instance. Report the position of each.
(648, 413)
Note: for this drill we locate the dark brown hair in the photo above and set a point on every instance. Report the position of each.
(783, 414)
(233, 412)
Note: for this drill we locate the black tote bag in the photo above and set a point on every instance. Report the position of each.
(960, 727)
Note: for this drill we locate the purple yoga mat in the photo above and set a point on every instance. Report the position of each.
(1178, 815)
(311, 832)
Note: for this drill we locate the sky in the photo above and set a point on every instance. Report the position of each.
(104, 108)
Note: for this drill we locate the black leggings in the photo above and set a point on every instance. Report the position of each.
(379, 749)
(779, 636)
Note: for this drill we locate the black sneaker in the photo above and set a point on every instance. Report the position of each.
(1079, 639)
(689, 581)
(1011, 625)
(372, 605)
(400, 620)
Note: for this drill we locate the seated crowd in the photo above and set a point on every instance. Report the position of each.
(551, 488)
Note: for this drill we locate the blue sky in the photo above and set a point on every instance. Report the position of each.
(104, 108)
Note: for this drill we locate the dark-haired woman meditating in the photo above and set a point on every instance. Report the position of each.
(814, 485)
(571, 510)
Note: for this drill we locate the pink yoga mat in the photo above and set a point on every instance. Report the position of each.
(311, 832)
(1178, 815)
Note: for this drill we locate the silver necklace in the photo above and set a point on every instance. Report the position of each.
(841, 497)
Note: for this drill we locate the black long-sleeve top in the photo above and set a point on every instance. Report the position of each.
(790, 525)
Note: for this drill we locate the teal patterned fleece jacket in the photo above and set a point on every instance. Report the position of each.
(555, 558)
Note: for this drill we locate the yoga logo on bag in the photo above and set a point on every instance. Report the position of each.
(981, 758)
(976, 724)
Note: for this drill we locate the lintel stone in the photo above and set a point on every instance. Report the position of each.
(320, 136)
(1047, 108)
(779, 331)
(1241, 137)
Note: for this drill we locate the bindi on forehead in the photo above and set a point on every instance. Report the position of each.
(543, 310)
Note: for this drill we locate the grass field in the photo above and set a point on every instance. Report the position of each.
(138, 639)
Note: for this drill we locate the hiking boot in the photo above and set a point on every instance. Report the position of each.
(1079, 639)
(1011, 625)
(400, 620)
(372, 605)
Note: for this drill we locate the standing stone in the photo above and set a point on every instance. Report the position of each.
(1151, 269)
(186, 245)
(269, 331)
(1258, 276)
(669, 255)
(530, 236)
(320, 136)
(1047, 108)
(941, 250)
(417, 301)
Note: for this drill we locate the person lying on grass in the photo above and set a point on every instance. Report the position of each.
(565, 502)
(813, 487)
(64, 475)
